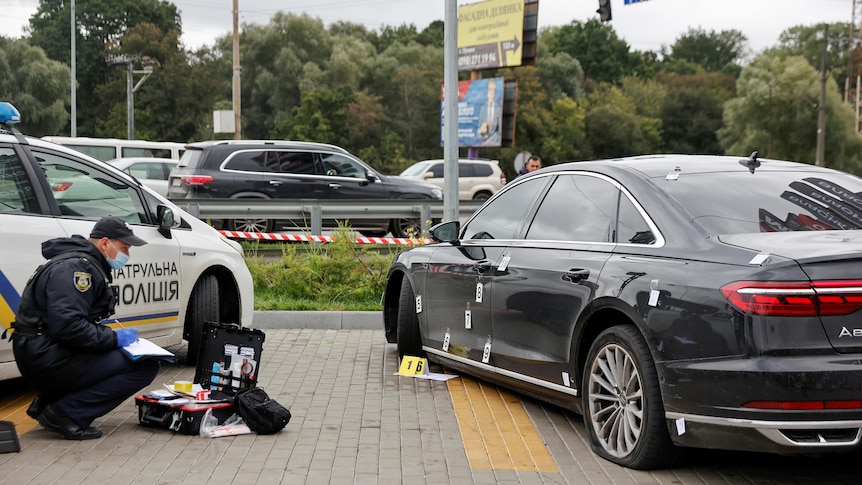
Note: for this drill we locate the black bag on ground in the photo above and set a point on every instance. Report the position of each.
(260, 413)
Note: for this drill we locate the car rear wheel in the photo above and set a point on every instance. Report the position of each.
(251, 225)
(409, 340)
(623, 411)
(203, 307)
(482, 195)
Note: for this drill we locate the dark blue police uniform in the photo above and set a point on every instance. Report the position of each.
(62, 347)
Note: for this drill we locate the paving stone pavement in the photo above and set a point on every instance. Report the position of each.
(356, 422)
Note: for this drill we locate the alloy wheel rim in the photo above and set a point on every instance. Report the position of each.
(250, 225)
(616, 400)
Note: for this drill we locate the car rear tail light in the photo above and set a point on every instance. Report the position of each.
(196, 179)
(802, 405)
(795, 298)
(503, 179)
(61, 186)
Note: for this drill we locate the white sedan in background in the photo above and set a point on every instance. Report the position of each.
(152, 172)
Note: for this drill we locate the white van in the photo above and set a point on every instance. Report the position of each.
(106, 149)
(187, 274)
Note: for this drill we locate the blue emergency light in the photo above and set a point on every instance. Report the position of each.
(8, 114)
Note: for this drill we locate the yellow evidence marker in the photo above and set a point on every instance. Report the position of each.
(411, 366)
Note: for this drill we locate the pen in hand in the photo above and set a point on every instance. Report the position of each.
(123, 327)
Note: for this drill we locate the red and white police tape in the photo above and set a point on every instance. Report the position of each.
(309, 238)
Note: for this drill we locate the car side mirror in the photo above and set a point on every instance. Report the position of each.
(427, 175)
(166, 220)
(370, 176)
(446, 231)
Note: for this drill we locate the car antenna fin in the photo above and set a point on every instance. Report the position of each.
(751, 162)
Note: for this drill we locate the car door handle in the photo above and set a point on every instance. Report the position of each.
(482, 266)
(576, 275)
(335, 186)
(275, 182)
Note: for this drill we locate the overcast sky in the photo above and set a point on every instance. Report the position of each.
(645, 26)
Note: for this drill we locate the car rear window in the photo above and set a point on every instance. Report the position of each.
(768, 201)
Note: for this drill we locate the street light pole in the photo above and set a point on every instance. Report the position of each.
(237, 134)
(74, 102)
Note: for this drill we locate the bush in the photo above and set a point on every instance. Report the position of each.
(341, 275)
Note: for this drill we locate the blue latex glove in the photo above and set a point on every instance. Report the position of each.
(126, 336)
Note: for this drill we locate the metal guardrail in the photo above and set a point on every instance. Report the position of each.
(315, 210)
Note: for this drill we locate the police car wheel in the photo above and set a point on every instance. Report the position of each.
(203, 307)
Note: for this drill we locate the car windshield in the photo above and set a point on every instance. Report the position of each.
(415, 169)
(770, 201)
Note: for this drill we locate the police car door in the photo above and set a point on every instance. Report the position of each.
(23, 229)
(148, 287)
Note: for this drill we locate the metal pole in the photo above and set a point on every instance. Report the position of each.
(237, 134)
(821, 111)
(74, 102)
(450, 112)
(130, 103)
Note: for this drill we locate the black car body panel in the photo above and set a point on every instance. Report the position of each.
(743, 287)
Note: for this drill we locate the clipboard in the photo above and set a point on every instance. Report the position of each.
(145, 349)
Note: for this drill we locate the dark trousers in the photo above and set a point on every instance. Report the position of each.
(111, 379)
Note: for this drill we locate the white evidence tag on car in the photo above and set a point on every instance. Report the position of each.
(479, 288)
(504, 263)
(446, 342)
(468, 319)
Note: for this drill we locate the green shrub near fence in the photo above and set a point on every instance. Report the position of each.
(340, 275)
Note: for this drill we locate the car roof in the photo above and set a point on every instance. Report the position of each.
(304, 145)
(653, 166)
(461, 160)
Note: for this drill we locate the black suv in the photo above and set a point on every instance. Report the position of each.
(270, 169)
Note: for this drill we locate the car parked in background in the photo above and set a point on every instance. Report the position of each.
(272, 169)
(477, 179)
(673, 301)
(152, 172)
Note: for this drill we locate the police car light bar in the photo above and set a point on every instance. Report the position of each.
(8, 114)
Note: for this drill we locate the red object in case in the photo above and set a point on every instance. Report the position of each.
(184, 418)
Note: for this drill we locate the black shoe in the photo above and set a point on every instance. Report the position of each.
(54, 419)
(37, 406)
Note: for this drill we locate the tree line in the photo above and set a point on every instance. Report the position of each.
(376, 92)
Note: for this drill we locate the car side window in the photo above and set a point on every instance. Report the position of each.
(632, 228)
(16, 190)
(296, 163)
(340, 166)
(84, 192)
(501, 218)
(482, 170)
(147, 170)
(249, 161)
(577, 208)
(437, 170)
(465, 170)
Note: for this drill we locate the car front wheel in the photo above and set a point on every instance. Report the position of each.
(623, 411)
(203, 307)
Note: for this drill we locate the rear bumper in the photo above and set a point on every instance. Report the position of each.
(704, 403)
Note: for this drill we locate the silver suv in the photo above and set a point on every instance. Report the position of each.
(477, 179)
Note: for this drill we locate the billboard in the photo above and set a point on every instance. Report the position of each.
(480, 113)
(490, 34)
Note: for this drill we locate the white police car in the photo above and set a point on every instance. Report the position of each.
(187, 274)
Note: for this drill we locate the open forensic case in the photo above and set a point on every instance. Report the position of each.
(179, 414)
(229, 357)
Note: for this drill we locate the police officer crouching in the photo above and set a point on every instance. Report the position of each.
(61, 347)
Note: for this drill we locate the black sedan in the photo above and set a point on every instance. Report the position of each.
(673, 301)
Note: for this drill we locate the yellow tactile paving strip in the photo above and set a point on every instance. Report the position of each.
(496, 430)
(13, 408)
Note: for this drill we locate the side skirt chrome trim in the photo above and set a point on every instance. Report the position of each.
(772, 429)
(503, 372)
